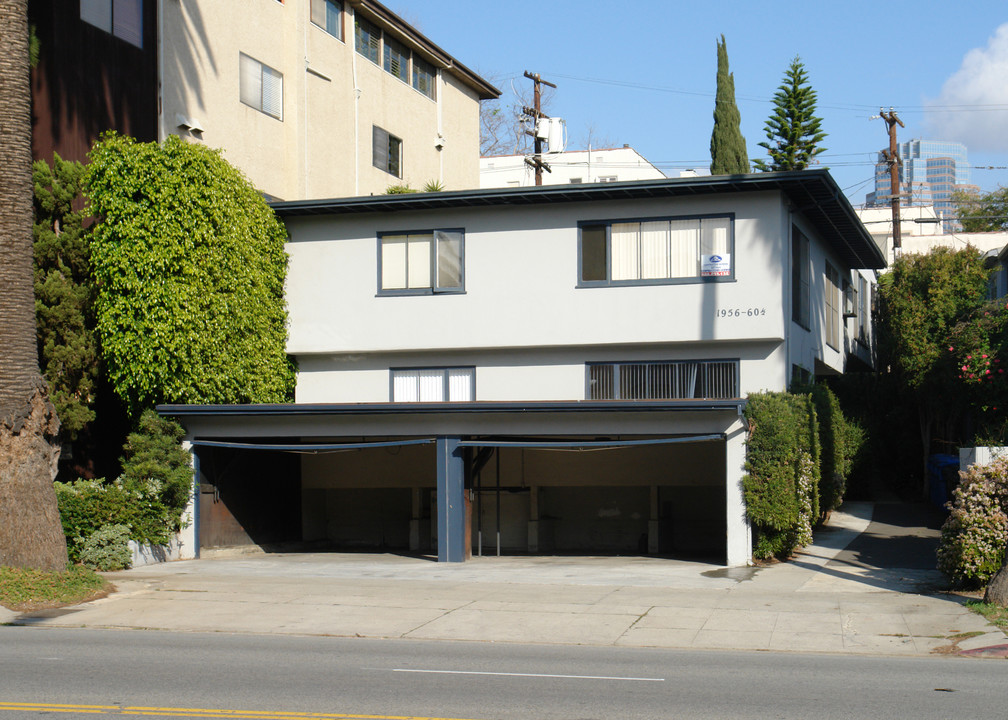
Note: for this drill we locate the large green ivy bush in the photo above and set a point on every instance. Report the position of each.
(189, 266)
(974, 535)
(781, 483)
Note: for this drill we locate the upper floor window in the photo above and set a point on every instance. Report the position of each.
(434, 384)
(832, 309)
(657, 251)
(367, 39)
(423, 77)
(800, 299)
(664, 380)
(386, 151)
(327, 14)
(122, 18)
(429, 261)
(261, 86)
(396, 60)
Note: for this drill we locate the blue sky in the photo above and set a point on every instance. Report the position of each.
(642, 72)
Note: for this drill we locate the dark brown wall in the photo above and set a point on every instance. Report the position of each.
(88, 81)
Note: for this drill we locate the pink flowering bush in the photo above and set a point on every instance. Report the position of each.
(973, 537)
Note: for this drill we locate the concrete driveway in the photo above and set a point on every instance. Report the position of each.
(863, 587)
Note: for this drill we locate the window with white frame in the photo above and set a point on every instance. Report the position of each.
(423, 77)
(429, 261)
(832, 309)
(386, 151)
(800, 299)
(121, 18)
(434, 384)
(261, 86)
(663, 380)
(367, 39)
(657, 251)
(327, 14)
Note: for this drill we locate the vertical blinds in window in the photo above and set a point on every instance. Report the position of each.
(666, 248)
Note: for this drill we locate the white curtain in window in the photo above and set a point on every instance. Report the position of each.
(420, 261)
(250, 80)
(654, 244)
(715, 236)
(405, 386)
(272, 92)
(431, 385)
(685, 242)
(127, 21)
(625, 251)
(393, 259)
(460, 384)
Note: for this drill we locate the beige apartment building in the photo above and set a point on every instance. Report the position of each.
(318, 98)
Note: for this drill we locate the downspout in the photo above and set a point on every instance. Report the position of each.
(356, 103)
(160, 72)
(440, 127)
(304, 124)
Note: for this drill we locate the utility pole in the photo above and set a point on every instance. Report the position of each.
(892, 157)
(536, 114)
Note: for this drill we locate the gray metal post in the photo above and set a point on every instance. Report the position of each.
(450, 500)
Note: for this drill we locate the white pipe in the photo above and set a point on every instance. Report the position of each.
(356, 110)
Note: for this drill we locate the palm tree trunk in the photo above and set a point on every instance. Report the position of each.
(30, 530)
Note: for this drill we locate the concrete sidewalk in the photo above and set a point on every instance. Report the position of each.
(828, 599)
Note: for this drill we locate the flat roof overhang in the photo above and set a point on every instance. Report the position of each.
(309, 426)
(812, 193)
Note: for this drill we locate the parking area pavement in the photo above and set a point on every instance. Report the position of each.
(846, 593)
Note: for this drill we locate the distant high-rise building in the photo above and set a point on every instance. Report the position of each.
(930, 171)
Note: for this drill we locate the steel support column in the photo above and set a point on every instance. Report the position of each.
(451, 512)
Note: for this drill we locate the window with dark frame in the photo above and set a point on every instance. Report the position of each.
(864, 316)
(367, 40)
(457, 384)
(832, 307)
(421, 262)
(396, 60)
(423, 77)
(663, 380)
(659, 250)
(386, 151)
(800, 272)
(121, 18)
(260, 86)
(328, 15)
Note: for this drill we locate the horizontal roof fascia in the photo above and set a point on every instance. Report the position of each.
(376, 12)
(813, 193)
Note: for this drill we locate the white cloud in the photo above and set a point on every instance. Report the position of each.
(982, 80)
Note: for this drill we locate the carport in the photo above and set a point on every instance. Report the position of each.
(595, 477)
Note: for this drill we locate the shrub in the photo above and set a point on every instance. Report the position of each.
(107, 548)
(841, 441)
(87, 505)
(782, 471)
(973, 537)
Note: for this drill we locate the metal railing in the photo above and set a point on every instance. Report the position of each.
(669, 380)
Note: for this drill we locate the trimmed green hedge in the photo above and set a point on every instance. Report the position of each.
(841, 440)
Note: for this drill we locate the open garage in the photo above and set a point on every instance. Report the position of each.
(272, 476)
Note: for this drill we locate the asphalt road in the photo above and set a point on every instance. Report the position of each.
(88, 673)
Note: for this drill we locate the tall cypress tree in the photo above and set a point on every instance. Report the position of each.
(793, 131)
(727, 146)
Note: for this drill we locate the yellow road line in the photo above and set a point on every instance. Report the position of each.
(199, 712)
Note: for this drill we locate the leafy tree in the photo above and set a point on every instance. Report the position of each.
(727, 146)
(923, 298)
(793, 130)
(30, 532)
(189, 264)
(987, 212)
(67, 344)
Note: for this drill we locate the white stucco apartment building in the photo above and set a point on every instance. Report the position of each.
(569, 167)
(318, 98)
(540, 370)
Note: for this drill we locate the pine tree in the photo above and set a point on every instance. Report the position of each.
(727, 146)
(793, 131)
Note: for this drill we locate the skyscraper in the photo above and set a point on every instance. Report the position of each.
(930, 171)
